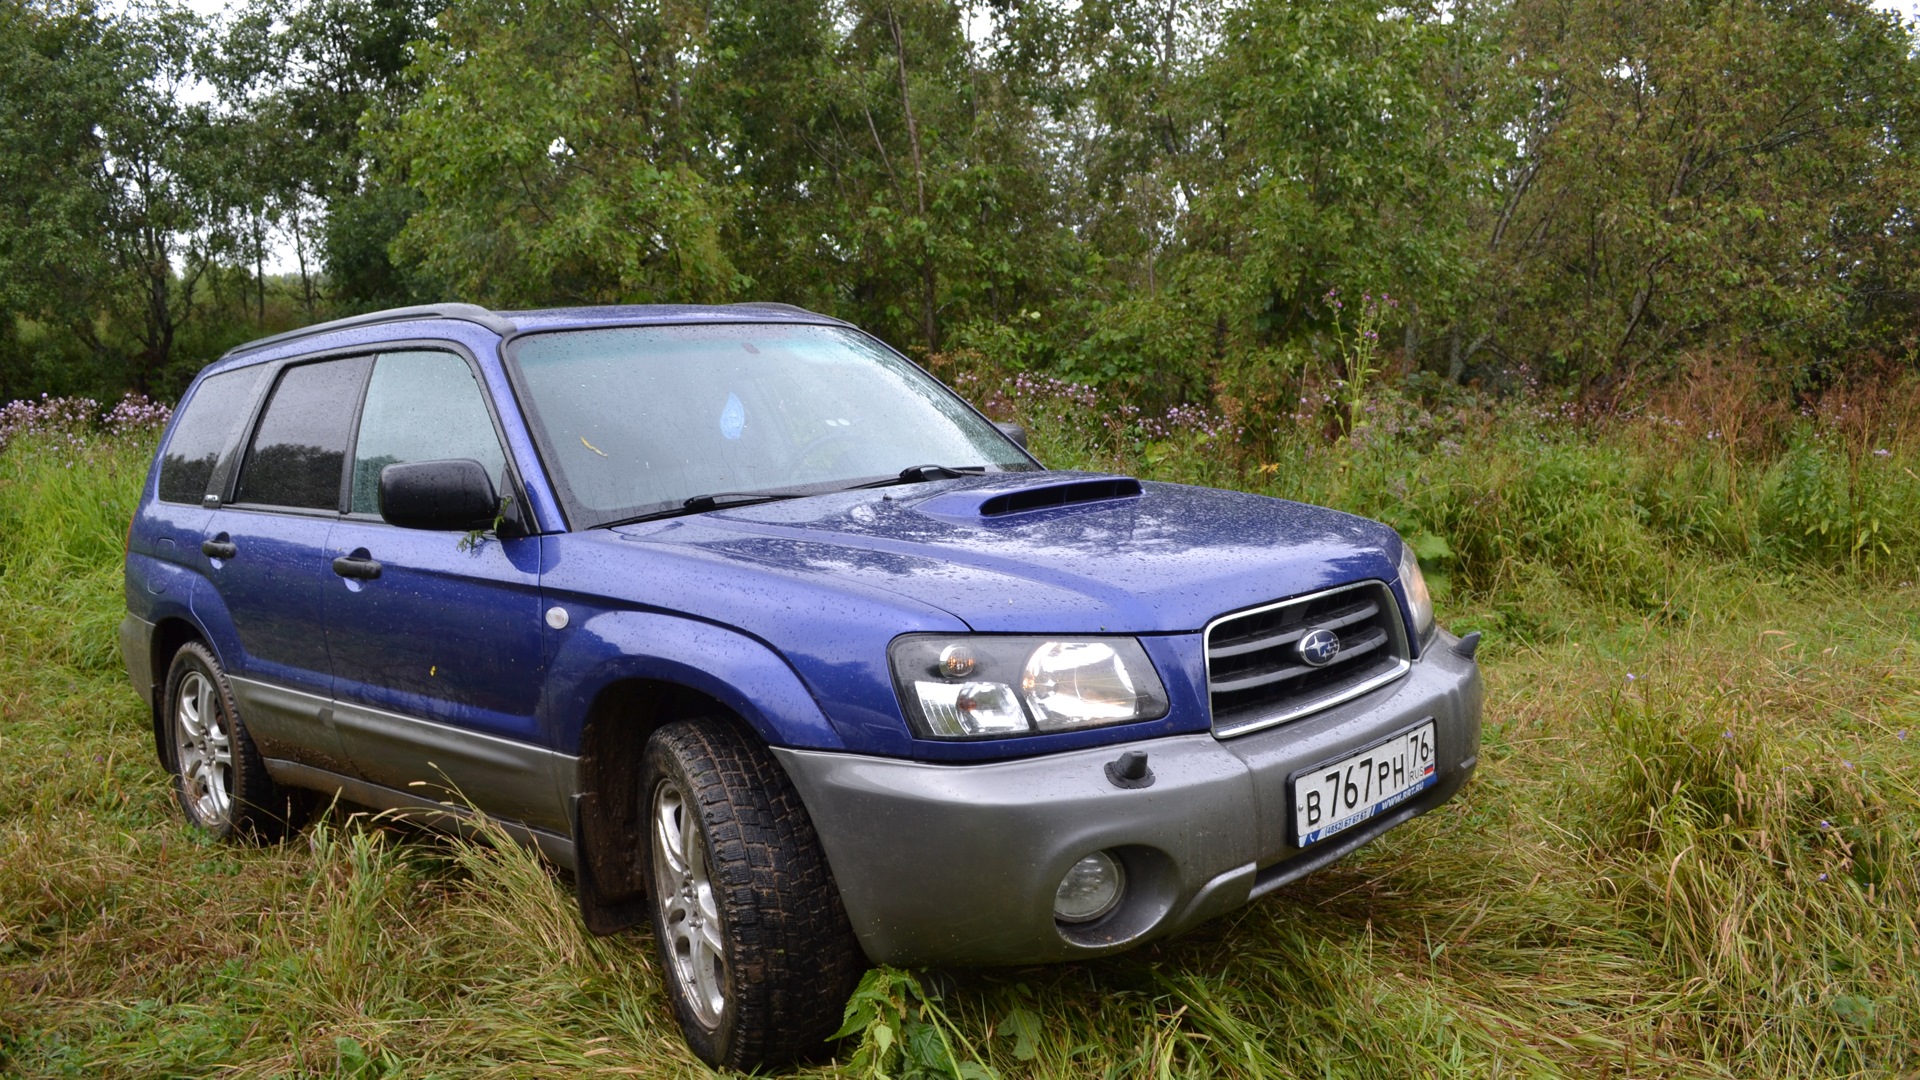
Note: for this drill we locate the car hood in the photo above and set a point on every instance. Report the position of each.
(1048, 552)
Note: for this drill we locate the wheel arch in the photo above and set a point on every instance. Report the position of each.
(169, 635)
(609, 822)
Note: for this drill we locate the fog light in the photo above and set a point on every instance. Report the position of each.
(1091, 889)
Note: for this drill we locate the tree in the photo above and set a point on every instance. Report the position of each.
(557, 153)
(1707, 174)
(109, 170)
(321, 84)
(920, 182)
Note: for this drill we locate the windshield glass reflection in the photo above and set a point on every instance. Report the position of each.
(639, 420)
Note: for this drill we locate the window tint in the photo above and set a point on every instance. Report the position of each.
(300, 448)
(207, 425)
(422, 406)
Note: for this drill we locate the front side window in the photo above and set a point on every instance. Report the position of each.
(422, 406)
(207, 426)
(636, 420)
(299, 451)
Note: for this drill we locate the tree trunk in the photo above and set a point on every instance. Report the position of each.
(928, 325)
(260, 268)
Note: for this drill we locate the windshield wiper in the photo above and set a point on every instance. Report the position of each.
(713, 500)
(702, 503)
(920, 474)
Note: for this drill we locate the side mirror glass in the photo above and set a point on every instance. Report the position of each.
(1013, 431)
(456, 494)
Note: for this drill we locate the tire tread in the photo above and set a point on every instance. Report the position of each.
(262, 811)
(793, 958)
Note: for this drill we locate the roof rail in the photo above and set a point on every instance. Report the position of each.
(472, 313)
(768, 305)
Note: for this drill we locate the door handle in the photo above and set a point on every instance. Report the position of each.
(357, 565)
(219, 548)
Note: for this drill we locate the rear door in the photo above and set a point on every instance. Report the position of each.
(438, 660)
(266, 560)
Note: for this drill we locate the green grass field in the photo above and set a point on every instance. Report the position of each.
(1690, 849)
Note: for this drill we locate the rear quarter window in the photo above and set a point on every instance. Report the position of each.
(208, 425)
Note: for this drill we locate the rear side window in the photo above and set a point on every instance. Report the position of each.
(299, 451)
(207, 426)
(422, 406)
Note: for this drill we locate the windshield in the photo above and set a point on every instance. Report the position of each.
(637, 420)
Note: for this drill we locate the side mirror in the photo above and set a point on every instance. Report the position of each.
(441, 495)
(1013, 431)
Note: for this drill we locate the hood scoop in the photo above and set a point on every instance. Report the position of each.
(1047, 496)
(1059, 491)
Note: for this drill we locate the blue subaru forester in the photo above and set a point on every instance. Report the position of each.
(773, 641)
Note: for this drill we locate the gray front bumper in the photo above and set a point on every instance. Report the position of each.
(957, 864)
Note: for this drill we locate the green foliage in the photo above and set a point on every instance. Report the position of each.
(67, 499)
(1840, 506)
(1343, 158)
(314, 86)
(1150, 196)
(1152, 348)
(552, 152)
(1359, 354)
(903, 1032)
(1689, 850)
(1701, 173)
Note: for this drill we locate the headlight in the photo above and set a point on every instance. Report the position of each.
(972, 686)
(1419, 600)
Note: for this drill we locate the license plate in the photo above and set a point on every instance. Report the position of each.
(1344, 793)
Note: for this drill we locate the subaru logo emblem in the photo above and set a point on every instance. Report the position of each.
(1320, 647)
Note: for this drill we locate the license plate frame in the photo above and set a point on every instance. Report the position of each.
(1309, 828)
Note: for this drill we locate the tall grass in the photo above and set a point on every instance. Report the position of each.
(1689, 850)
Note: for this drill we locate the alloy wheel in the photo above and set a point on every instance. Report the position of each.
(204, 748)
(689, 915)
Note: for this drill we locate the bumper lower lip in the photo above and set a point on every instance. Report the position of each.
(957, 864)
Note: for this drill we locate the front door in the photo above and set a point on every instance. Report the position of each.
(437, 655)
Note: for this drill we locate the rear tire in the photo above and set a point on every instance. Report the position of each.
(218, 778)
(756, 952)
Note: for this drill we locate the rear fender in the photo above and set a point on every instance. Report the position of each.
(210, 614)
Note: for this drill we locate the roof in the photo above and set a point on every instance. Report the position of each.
(510, 322)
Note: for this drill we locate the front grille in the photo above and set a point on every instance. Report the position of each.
(1257, 676)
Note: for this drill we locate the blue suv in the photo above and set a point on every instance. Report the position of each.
(773, 641)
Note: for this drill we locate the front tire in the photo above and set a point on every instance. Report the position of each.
(756, 951)
(218, 778)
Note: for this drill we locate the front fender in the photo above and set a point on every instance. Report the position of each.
(738, 671)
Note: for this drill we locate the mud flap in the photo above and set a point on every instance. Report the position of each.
(602, 913)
